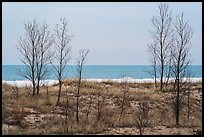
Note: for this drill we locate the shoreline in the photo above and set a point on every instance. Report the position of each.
(50, 82)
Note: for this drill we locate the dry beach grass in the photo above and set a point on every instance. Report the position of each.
(99, 110)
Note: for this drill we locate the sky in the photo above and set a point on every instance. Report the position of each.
(116, 33)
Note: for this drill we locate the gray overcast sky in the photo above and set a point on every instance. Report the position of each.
(116, 33)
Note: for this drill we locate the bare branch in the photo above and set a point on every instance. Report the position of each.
(80, 61)
(160, 48)
(63, 51)
(34, 48)
(181, 59)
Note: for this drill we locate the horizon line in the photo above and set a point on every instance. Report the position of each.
(107, 64)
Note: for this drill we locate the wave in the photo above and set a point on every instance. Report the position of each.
(27, 83)
(49, 82)
(145, 80)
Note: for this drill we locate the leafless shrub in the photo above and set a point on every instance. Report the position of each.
(100, 105)
(124, 90)
(15, 91)
(48, 95)
(141, 116)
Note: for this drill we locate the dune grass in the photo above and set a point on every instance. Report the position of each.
(99, 108)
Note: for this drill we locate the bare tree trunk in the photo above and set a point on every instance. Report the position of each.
(33, 82)
(122, 107)
(188, 103)
(35, 50)
(62, 52)
(169, 66)
(99, 105)
(78, 93)
(180, 59)
(155, 75)
(189, 108)
(98, 109)
(48, 96)
(177, 103)
(66, 122)
(188, 95)
(161, 79)
(33, 65)
(59, 92)
(153, 60)
(60, 76)
(162, 40)
(80, 61)
(88, 109)
(38, 87)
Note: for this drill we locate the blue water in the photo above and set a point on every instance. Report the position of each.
(96, 71)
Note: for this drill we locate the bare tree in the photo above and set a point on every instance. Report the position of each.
(162, 36)
(153, 59)
(141, 118)
(34, 48)
(169, 62)
(62, 52)
(181, 60)
(124, 90)
(80, 61)
(44, 55)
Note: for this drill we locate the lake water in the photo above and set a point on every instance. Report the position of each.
(9, 72)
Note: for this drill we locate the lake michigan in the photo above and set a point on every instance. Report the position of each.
(9, 72)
